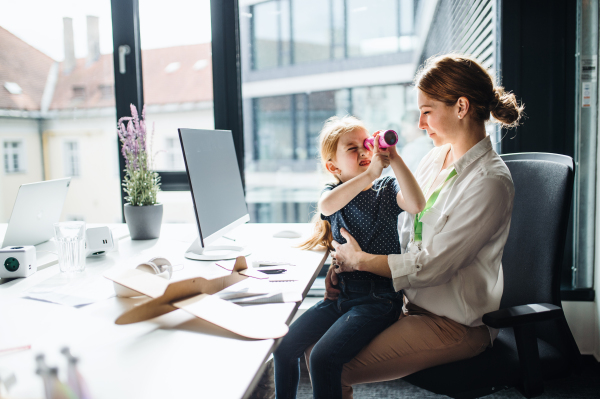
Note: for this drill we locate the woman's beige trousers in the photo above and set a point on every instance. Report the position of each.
(418, 340)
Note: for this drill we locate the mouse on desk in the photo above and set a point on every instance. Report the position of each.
(287, 234)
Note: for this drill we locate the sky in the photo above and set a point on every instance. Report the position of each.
(163, 23)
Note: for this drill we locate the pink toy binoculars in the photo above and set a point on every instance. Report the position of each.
(387, 138)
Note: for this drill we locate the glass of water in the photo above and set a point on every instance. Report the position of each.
(70, 243)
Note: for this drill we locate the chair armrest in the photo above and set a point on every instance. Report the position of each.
(524, 314)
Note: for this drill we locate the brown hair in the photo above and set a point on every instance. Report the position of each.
(448, 77)
(329, 138)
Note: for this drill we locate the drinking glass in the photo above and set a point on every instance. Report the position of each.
(70, 243)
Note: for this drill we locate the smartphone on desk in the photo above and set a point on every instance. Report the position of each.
(273, 271)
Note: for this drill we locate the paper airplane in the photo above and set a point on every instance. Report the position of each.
(194, 295)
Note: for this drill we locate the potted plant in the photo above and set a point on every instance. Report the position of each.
(141, 184)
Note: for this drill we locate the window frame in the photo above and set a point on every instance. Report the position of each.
(71, 161)
(227, 98)
(20, 152)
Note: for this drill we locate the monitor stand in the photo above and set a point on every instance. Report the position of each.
(217, 252)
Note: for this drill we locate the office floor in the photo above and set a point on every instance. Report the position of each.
(586, 385)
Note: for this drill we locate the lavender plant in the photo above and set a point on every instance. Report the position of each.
(141, 183)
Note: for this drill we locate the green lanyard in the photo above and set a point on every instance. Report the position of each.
(428, 205)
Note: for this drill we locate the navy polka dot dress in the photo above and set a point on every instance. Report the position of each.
(372, 219)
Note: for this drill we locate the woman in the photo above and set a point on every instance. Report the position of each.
(450, 267)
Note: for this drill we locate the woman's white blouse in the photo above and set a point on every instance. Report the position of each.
(456, 270)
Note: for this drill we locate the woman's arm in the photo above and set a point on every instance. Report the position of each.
(484, 211)
(410, 197)
(349, 257)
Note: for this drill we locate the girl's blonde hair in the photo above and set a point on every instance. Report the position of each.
(329, 138)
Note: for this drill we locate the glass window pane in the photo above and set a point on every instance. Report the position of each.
(338, 30)
(177, 78)
(372, 27)
(266, 29)
(273, 116)
(311, 30)
(284, 110)
(59, 62)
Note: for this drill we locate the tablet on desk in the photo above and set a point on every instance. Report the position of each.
(37, 207)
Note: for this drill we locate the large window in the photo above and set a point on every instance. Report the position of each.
(285, 32)
(283, 172)
(177, 83)
(57, 104)
(297, 53)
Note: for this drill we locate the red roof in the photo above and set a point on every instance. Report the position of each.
(26, 66)
(177, 74)
(169, 77)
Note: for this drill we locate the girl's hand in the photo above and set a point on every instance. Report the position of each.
(347, 256)
(393, 151)
(380, 160)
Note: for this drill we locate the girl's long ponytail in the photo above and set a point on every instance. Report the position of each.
(321, 236)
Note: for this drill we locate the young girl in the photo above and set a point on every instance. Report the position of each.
(368, 207)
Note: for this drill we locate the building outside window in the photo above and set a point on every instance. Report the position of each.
(71, 158)
(289, 32)
(13, 157)
(293, 55)
(173, 155)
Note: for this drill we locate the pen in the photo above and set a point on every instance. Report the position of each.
(15, 349)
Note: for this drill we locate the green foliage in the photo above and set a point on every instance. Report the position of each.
(142, 186)
(141, 183)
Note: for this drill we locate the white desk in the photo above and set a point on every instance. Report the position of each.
(172, 356)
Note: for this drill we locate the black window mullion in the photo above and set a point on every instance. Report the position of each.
(227, 80)
(128, 85)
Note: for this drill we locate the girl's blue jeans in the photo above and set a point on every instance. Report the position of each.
(340, 329)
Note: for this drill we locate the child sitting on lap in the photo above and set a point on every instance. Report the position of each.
(368, 207)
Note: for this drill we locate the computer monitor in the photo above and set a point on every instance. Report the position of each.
(217, 192)
(37, 207)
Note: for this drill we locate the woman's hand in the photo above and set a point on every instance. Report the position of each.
(346, 257)
(331, 292)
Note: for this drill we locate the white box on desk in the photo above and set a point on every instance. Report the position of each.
(17, 261)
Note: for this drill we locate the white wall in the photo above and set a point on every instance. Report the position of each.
(27, 131)
(94, 195)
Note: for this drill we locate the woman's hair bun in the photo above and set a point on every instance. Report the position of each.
(505, 108)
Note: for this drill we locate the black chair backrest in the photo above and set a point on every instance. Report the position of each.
(533, 255)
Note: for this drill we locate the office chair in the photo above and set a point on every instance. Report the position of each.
(535, 342)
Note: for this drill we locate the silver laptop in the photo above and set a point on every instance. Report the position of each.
(37, 207)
